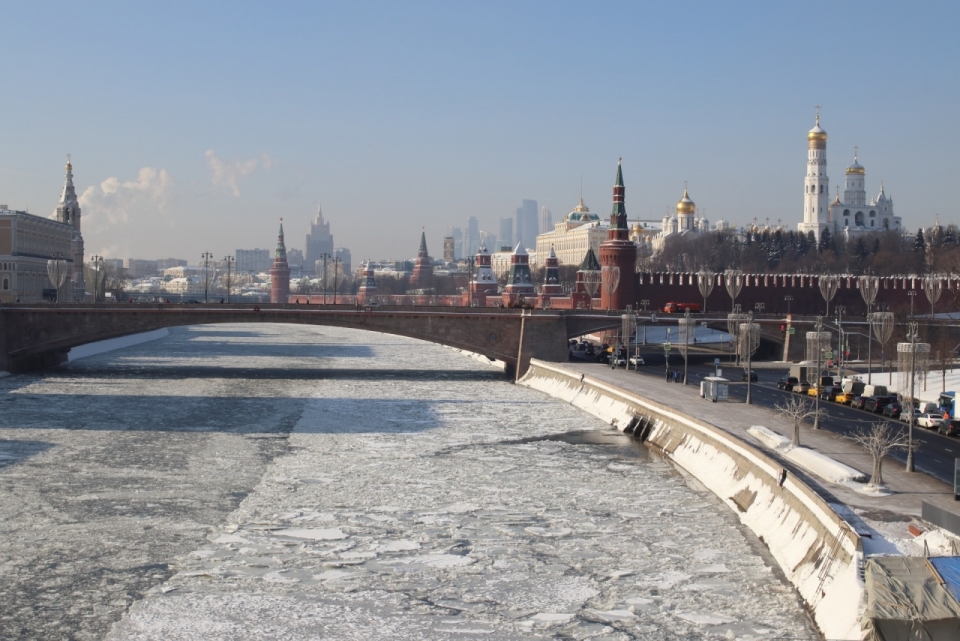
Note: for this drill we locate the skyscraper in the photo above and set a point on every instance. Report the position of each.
(506, 233)
(527, 226)
(546, 220)
(319, 242)
(471, 240)
(457, 235)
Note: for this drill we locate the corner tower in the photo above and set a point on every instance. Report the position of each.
(618, 254)
(816, 188)
(280, 272)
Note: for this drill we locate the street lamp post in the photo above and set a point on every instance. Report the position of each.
(97, 262)
(913, 334)
(788, 299)
(336, 262)
(840, 309)
(325, 256)
(759, 307)
(228, 260)
(645, 302)
(819, 328)
(206, 274)
(912, 295)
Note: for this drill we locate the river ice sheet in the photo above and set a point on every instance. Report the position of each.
(417, 496)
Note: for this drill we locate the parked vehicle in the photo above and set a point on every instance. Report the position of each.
(801, 388)
(753, 377)
(830, 393)
(930, 421)
(892, 410)
(679, 308)
(858, 402)
(876, 404)
(787, 383)
(637, 361)
(905, 416)
(949, 428)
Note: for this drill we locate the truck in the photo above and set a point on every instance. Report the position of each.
(948, 404)
(799, 372)
(715, 388)
(875, 390)
(678, 308)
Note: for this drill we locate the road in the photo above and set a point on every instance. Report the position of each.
(936, 455)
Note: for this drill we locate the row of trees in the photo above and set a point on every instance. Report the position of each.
(885, 253)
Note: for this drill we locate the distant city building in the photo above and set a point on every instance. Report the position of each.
(853, 215)
(471, 239)
(457, 234)
(488, 240)
(527, 224)
(27, 242)
(345, 262)
(139, 268)
(116, 264)
(546, 220)
(579, 231)
(449, 249)
(319, 240)
(506, 233)
(164, 263)
(295, 259)
(181, 271)
(253, 261)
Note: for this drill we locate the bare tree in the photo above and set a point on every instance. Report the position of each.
(798, 410)
(879, 441)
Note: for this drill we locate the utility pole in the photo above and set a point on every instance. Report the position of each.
(819, 328)
(228, 260)
(789, 299)
(913, 334)
(840, 309)
(336, 261)
(325, 256)
(97, 262)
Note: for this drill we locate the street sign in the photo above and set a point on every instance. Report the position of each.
(716, 362)
(666, 347)
(829, 354)
(792, 331)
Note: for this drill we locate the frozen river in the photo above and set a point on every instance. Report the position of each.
(288, 482)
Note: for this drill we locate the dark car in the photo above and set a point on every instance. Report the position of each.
(893, 410)
(876, 404)
(753, 377)
(786, 384)
(858, 402)
(949, 428)
(831, 393)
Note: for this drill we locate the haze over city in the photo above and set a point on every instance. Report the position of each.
(195, 128)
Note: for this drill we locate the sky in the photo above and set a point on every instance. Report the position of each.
(196, 127)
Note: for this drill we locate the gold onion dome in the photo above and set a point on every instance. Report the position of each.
(817, 134)
(856, 167)
(685, 205)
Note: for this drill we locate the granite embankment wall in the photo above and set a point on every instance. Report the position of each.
(818, 551)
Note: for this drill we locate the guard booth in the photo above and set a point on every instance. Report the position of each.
(715, 388)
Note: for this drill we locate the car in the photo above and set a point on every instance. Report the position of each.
(801, 388)
(813, 391)
(786, 384)
(875, 404)
(843, 398)
(858, 402)
(905, 416)
(830, 393)
(930, 421)
(637, 361)
(892, 410)
(753, 377)
(949, 428)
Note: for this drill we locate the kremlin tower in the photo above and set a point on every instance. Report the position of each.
(280, 272)
(519, 289)
(484, 283)
(422, 269)
(551, 280)
(618, 254)
(369, 285)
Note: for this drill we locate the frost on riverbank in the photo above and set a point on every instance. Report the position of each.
(420, 500)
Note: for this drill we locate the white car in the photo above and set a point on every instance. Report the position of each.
(905, 416)
(637, 361)
(930, 421)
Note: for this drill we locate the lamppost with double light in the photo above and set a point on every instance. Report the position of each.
(228, 260)
(97, 264)
(913, 333)
(912, 295)
(336, 262)
(324, 256)
(645, 302)
(816, 417)
(840, 309)
(788, 299)
(206, 256)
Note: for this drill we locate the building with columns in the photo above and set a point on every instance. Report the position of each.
(571, 237)
(851, 216)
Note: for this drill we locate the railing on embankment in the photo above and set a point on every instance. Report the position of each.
(817, 550)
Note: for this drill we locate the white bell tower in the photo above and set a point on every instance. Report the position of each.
(816, 196)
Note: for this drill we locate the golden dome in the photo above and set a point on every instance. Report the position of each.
(581, 207)
(69, 164)
(817, 137)
(856, 167)
(685, 205)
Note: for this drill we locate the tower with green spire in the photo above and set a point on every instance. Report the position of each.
(618, 255)
(280, 272)
(422, 267)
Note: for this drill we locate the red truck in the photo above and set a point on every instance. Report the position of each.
(677, 308)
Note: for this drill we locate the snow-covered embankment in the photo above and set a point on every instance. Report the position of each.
(818, 552)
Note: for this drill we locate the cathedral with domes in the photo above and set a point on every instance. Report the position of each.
(685, 222)
(851, 216)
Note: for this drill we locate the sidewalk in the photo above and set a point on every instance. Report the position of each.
(897, 509)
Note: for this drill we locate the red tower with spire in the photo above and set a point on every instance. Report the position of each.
(618, 255)
(422, 268)
(280, 272)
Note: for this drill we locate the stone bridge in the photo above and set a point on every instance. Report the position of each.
(33, 336)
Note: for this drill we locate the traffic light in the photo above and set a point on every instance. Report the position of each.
(783, 328)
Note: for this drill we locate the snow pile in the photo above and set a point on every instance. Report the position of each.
(812, 461)
(111, 344)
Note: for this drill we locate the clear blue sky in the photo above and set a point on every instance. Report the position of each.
(195, 126)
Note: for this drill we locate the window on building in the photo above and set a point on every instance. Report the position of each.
(821, 189)
(6, 284)
(872, 223)
(846, 212)
(873, 214)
